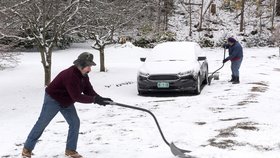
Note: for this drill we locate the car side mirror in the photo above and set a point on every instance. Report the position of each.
(142, 59)
(201, 58)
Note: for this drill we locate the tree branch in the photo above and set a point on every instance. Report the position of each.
(62, 12)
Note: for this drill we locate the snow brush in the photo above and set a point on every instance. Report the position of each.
(175, 150)
(216, 77)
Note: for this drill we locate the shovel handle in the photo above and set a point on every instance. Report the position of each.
(174, 149)
(144, 110)
(221, 66)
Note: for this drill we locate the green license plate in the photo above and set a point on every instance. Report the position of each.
(163, 85)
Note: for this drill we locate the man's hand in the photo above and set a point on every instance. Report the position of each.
(102, 101)
(225, 46)
(225, 60)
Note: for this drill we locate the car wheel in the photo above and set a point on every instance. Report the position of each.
(205, 81)
(198, 85)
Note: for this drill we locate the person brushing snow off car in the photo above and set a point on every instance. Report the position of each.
(69, 86)
(235, 56)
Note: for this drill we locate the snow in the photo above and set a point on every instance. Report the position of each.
(174, 51)
(224, 23)
(172, 58)
(245, 116)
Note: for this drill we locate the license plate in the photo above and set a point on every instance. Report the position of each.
(163, 85)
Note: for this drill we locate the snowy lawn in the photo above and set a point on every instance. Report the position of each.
(224, 121)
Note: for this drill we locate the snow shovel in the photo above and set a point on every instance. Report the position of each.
(175, 150)
(215, 75)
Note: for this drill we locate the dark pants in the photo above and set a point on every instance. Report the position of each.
(49, 110)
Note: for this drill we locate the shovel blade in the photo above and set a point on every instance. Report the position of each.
(216, 76)
(179, 152)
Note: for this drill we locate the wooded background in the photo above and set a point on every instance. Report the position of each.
(45, 25)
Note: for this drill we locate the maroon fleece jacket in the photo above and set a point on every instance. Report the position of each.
(70, 86)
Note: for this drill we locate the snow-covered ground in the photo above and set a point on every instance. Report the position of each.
(224, 121)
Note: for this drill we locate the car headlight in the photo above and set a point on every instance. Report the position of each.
(186, 73)
(143, 74)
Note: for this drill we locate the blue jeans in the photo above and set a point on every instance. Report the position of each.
(49, 110)
(235, 65)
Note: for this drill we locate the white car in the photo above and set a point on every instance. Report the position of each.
(173, 66)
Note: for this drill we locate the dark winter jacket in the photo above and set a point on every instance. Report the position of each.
(235, 51)
(70, 86)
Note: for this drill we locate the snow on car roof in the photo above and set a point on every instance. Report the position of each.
(174, 51)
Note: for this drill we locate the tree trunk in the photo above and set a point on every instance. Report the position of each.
(46, 59)
(112, 34)
(190, 12)
(165, 18)
(273, 15)
(258, 7)
(212, 7)
(166, 13)
(102, 59)
(259, 15)
(47, 71)
(201, 16)
(158, 16)
(277, 7)
(242, 16)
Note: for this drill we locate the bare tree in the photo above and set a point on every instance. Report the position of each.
(164, 9)
(48, 21)
(189, 11)
(99, 43)
(168, 8)
(203, 12)
(259, 14)
(190, 17)
(277, 7)
(273, 13)
(42, 21)
(242, 16)
(188, 6)
(201, 16)
(158, 16)
(108, 17)
(265, 13)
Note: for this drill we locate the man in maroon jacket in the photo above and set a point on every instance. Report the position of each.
(69, 86)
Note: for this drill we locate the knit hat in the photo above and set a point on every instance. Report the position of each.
(231, 40)
(84, 59)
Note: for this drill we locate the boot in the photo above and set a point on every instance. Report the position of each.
(72, 154)
(236, 80)
(26, 153)
(232, 78)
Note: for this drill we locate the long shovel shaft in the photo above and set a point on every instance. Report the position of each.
(211, 76)
(175, 150)
(222, 65)
(145, 110)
